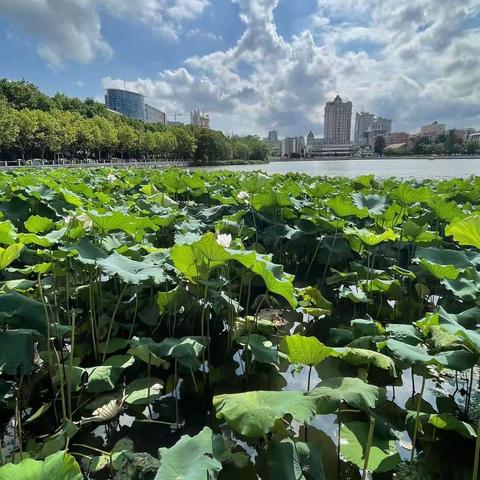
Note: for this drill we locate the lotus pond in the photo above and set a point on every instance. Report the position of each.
(201, 325)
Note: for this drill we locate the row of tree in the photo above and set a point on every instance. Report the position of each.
(449, 143)
(34, 125)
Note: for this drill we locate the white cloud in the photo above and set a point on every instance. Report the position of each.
(65, 30)
(413, 60)
(70, 30)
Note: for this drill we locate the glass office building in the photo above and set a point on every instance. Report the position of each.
(154, 115)
(127, 103)
(132, 105)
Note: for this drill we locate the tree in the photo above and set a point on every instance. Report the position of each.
(471, 147)
(22, 94)
(380, 145)
(186, 143)
(27, 126)
(8, 126)
(127, 139)
(240, 150)
(212, 146)
(166, 143)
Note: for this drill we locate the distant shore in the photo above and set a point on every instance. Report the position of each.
(383, 157)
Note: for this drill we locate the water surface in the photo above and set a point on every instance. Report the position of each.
(392, 167)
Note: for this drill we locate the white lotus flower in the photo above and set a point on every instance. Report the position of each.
(224, 240)
(111, 178)
(243, 196)
(86, 220)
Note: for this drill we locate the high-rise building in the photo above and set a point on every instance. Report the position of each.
(132, 105)
(274, 147)
(154, 115)
(363, 122)
(272, 135)
(289, 146)
(338, 122)
(310, 139)
(301, 145)
(196, 118)
(433, 130)
(381, 127)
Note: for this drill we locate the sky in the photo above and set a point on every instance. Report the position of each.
(256, 65)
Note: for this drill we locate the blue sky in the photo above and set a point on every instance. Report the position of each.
(254, 65)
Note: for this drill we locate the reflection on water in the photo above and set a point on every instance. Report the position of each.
(393, 167)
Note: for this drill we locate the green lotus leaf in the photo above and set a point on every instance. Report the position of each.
(443, 263)
(368, 237)
(186, 350)
(172, 300)
(103, 378)
(355, 392)
(289, 460)
(447, 421)
(8, 233)
(132, 271)
(106, 222)
(271, 198)
(440, 271)
(409, 195)
(466, 286)
(314, 297)
(375, 204)
(59, 466)
(38, 224)
(262, 349)
(254, 414)
(87, 252)
(143, 391)
(408, 354)
(361, 356)
(305, 350)
(191, 458)
(9, 254)
(403, 333)
(383, 455)
(16, 351)
(343, 206)
(465, 231)
(364, 327)
(143, 348)
(19, 311)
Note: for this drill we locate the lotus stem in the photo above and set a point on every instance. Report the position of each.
(62, 384)
(317, 248)
(134, 316)
(70, 369)
(368, 448)
(330, 253)
(148, 381)
(193, 379)
(469, 395)
(308, 389)
(339, 442)
(92, 321)
(417, 420)
(477, 454)
(111, 322)
(49, 333)
(2, 458)
(175, 390)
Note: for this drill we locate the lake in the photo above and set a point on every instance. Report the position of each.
(392, 167)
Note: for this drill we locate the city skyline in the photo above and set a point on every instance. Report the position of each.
(255, 64)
